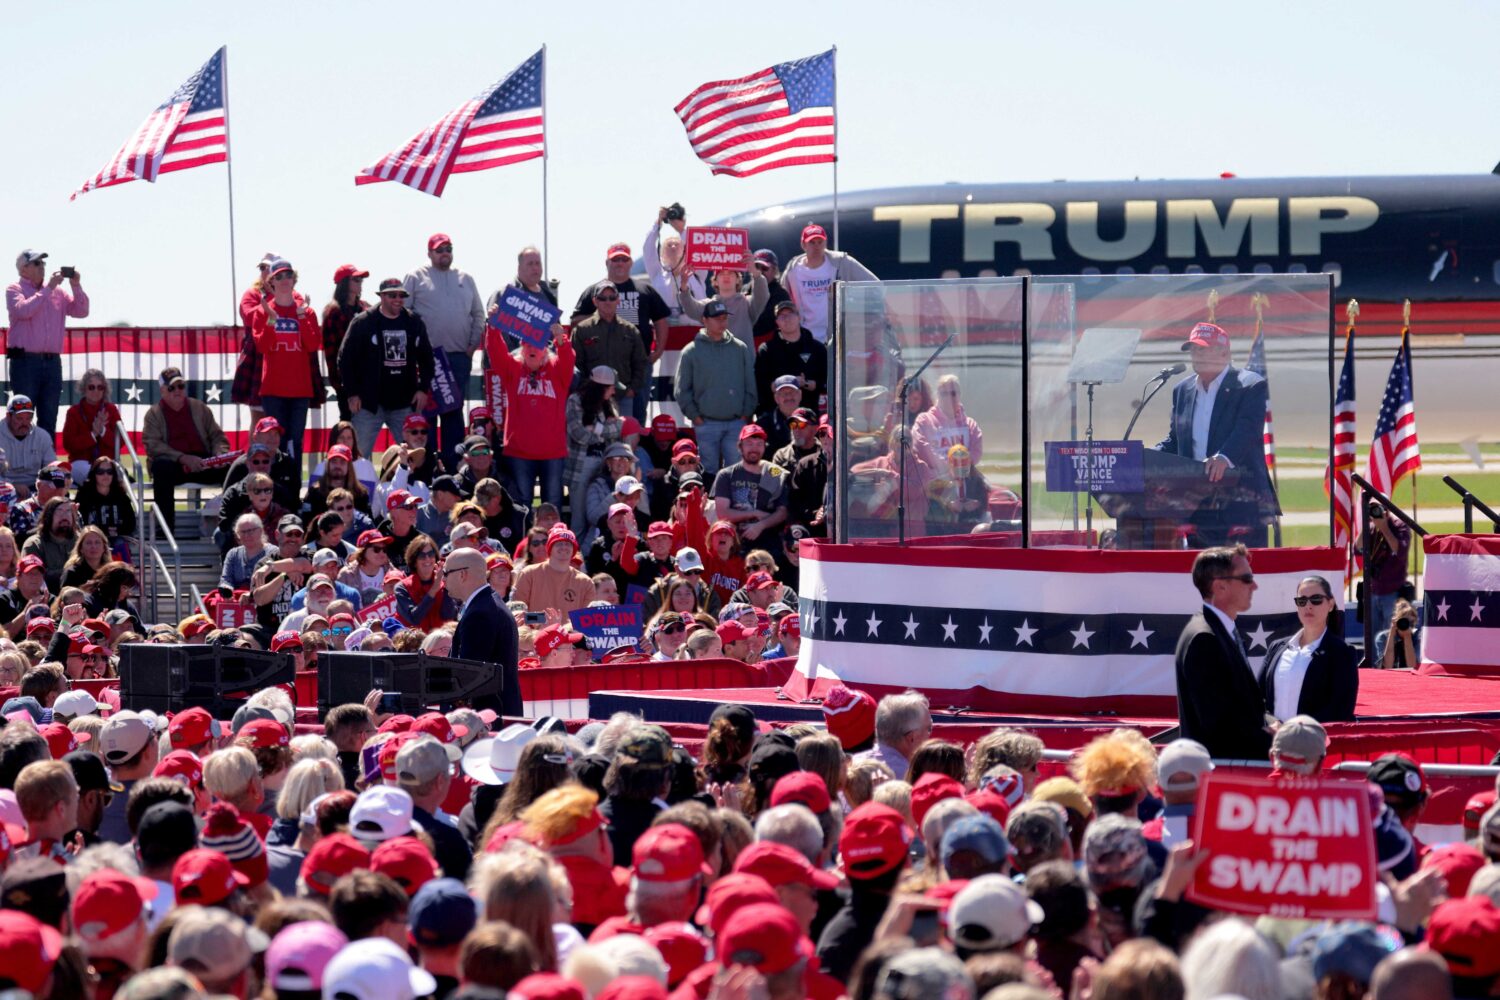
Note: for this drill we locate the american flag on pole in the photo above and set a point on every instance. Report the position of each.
(188, 129)
(500, 126)
(1395, 451)
(1338, 482)
(780, 117)
(1257, 364)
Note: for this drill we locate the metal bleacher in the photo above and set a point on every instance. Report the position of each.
(175, 570)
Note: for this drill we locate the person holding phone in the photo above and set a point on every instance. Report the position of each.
(1385, 569)
(38, 315)
(1402, 642)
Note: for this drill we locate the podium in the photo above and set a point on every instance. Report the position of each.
(1176, 490)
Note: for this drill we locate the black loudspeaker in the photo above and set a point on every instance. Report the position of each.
(423, 681)
(170, 678)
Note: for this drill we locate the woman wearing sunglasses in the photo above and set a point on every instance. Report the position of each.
(1313, 672)
(104, 500)
(89, 426)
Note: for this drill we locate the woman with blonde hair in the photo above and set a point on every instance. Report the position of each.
(306, 780)
(233, 776)
(90, 553)
(10, 555)
(515, 886)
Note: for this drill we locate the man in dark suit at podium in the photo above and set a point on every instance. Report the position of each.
(1218, 418)
(486, 628)
(1219, 702)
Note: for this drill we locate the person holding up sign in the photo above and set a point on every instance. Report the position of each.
(744, 306)
(1218, 700)
(536, 405)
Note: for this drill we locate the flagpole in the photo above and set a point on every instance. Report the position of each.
(234, 292)
(546, 150)
(835, 50)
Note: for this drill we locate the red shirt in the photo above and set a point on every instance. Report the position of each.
(182, 433)
(598, 890)
(536, 403)
(78, 432)
(287, 338)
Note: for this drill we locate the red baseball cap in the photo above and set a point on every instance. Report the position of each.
(28, 949)
(264, 734)
(28, 563)
(792, 625)
(760, 580)
(875, 841)
(1465, 932)
(180, 764)
(341, 451)
(1206, 335)
(390, 748)
(668, 853)
(546, 986)
(732, 631)
(659, 528)
(632, 988)
(265, 425)
(1474, 811)
(192, 727)
(991, 804)
(553, 636)
(196, 625)
(805, 787)
(206, 877)
(438, 239)
(62, 740)
(721, 527)
(684, 447)
(617, 250)
(348, 271)
(436, 725)
(848, 714)
(731, 894)
(752, 431)
(415, 420)
(781, 865)
(930, 789)
(629, 426)
(764, 935)
(372, 537)
(401, 498)
(1459, 863)
(682, 946)
(407, 860)
(108, 901)
(331, 858)
(290, 639)
(40, 624)
(813, 231)
(663, 427)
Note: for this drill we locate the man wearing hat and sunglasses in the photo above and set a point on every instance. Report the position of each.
(385, 366)
(448, 302)
(637, 305)
(1218, 415)
(38, 312)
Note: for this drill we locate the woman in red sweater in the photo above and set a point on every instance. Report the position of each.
(536, 403)
(289, 338)
(89, 427)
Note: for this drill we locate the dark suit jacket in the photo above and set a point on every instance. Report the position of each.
(1330, 685)
(1235, 430)
(1218, 700)
(487, 632)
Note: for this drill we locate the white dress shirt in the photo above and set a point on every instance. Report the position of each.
(1203, 413)
(1291, 671)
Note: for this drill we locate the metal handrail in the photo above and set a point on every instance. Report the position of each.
(150, 522)
(198, 600)
(1470, 502)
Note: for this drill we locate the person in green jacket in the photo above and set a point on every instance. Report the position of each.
(715, 387)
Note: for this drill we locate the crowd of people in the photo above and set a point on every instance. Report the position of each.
(385, 856)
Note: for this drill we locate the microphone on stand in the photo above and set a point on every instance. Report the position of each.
(1170, 370)
(1149, 391)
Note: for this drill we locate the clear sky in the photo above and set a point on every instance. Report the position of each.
(973, 92)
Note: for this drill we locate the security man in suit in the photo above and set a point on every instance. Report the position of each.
(1218, 418)
(1219, 701)
(486, 627)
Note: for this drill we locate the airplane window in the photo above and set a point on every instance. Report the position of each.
(1335, 269)
(988, 272)
(1192, 269)
(949, 272)
(1091, 274)
(1228, 269)
(1262, 268)
(1161, 270)
(1125, 270)
(1021, 272)
(1296, 269)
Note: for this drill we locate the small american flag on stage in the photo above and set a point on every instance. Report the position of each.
(1339, 485)
(779, 117)
(500, 126)
(1395, 451)
(189, 129)
(1257, 364)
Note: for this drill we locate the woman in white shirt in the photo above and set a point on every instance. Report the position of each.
(1313, 672)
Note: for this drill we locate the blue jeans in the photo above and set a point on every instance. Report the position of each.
(451, 425)
(367, 424)
(292, 415)
(39, 376)
(637, 404)
(718, 446)
(524, 473)
(1380, 608)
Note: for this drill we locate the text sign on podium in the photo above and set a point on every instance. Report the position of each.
(1103, 466)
